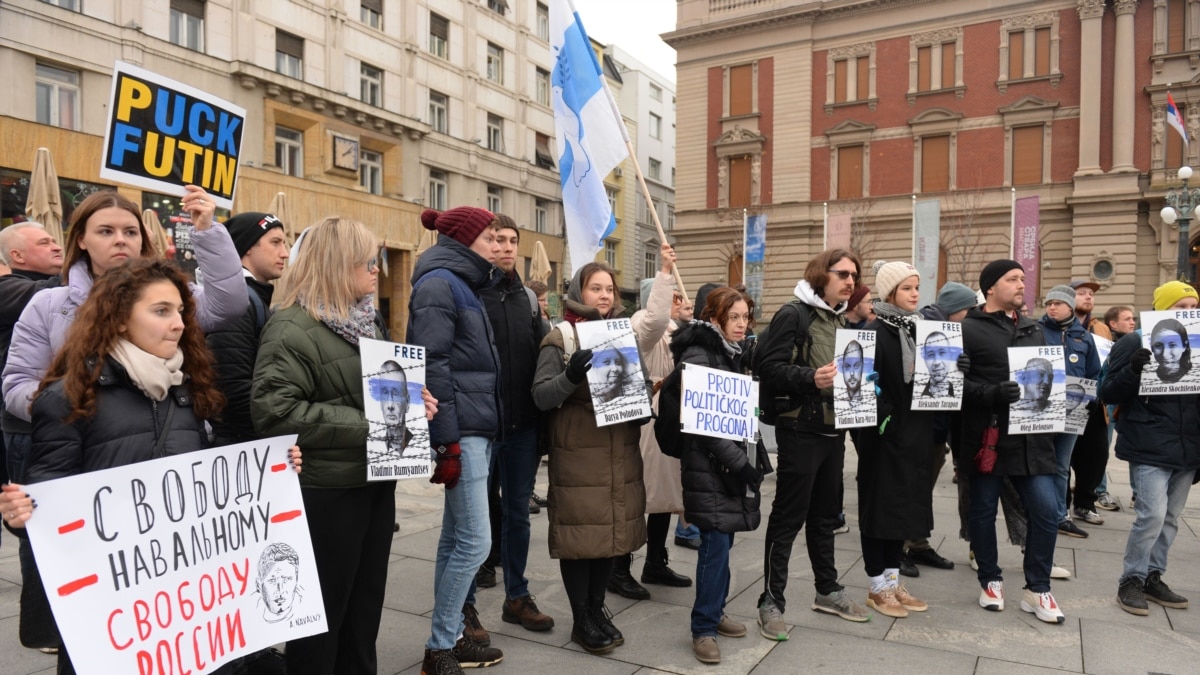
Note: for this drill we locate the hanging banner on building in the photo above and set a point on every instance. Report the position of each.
(1169, 336)
(163, 134)
(178, 564)
(617, 385)
(398, 440)
(927, 246)
(937, 381)
(718, 403)
(837, 231)
(1026, 242)
(754, 257)
(1080, 394)
(1043, 403)
(853, 395)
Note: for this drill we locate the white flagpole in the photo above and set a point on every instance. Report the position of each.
(914, 229)
(825, 224)
(1012, 226)
(745, 228)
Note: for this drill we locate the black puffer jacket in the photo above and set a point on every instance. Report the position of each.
(518, 330)
(15, 291)
(707, 502)
(1155, 430)
(234, 349)
(986, 339)
(446, 316)
(123, 431)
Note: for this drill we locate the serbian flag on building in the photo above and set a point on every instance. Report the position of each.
(592, 139)
(1174, 119)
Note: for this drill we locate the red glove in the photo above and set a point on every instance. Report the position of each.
(448, 466)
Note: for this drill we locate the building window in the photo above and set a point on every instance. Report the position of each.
(741, 90)
(57, 97)
(739, 182)
(1177, 25)
(1029, 48)
(498, 6)
(541, 151)
(543, 22)
(289, 151)
(187, 24)
(931, 76)
(851, 76)
(370, 85)
(670, 217)
(935, 163)
(655, 126)
(650, 263)
(1027, 148)
(495, 199)
(610, 253)
(370, 171)
(72, 5)
(439, 109)
(542, 86)
(935, 63)
(437, 190)
(655, 169)
(655, 92)
(495, 63)
(370, 12)
(672, 176)
(540, 210)
(1038, 66)
(850, 172)
(289, 54)
(439, 36)
(495, 133)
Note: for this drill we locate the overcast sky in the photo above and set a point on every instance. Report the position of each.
(634, 26)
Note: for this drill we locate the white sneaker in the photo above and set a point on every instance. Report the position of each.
(1057, 572)
(1043, 606)
(991, 598)
(974, 563)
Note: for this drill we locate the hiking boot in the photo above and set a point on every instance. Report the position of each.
(1088, 516)
(588, 635)
(471, 654)
(886, 603)
(840, 604)
(440, 662)
(770, 622)
(907, 568)
(603, 619)
(1105, 501)
(706, 649)
(657, 572)
(1071, 530)
(486, 576)
(730, 628)
(1156, 590)
(622, 582)
(523, 611)
(1131, 596)
(929, 558)
(472, 628)
(910, 603)
(991, 597)
(1043, 606)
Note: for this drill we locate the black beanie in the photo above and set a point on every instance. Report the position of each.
(247, 228)
(994, 271)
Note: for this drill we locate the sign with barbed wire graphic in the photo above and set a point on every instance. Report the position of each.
(854, 400)
(1041, 374)
(937, 381)
(398, 438)
(615, 380)
(1169, 336)
(1081, 393)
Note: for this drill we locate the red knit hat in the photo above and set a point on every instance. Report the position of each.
(856, 297)
(462, 224)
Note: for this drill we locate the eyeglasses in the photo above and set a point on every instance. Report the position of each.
(844, 274)
(373, 265)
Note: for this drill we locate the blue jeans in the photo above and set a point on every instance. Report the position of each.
(464, 544)
(1037, 493)
(712, 582)
(1063, 445)
(518, 466)
(1162, 494)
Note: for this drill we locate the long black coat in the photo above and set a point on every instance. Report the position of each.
(895, 482)
(518, 329)
(707, 503)
(235, 349)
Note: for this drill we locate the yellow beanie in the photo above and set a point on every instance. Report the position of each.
(1168, 294)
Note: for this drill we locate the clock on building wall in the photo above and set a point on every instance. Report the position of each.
(345, 153)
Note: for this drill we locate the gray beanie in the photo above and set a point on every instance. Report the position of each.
(647, 284)
(955, 297)
(1062, 293)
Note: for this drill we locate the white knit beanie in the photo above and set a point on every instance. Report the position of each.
(889, 275)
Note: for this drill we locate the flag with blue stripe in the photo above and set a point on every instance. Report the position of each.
(591, 134)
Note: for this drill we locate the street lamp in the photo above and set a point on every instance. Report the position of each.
(1180, 205)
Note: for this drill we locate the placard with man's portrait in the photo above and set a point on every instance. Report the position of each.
(1169, 336)
(1041, 374)
(398, 436)
(1081, 395)
(937, 381)
(854, 403)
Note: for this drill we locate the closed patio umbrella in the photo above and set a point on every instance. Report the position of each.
(539, 267)
(44, 204)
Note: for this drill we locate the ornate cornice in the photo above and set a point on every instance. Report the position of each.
(1125, 7)
(1029, 20)
(1090, 9)
(781, 18)
(939, 36)
(861, 49)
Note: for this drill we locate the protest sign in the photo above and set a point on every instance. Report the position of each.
(1043, 403)
(1169, 336)
(937, 381)
(163, 134)
(178, 564)
(1103, 347)
(853, 395)
(616, 382)
(398, 440)
(1080, 394)
(719, 403)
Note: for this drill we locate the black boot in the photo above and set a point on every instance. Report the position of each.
(622, 582)
(656, 571)
(587, 634)
(603, 619)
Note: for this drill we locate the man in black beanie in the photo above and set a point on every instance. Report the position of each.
(1027, 460)
(260, 241)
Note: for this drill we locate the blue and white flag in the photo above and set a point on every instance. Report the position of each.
(591, 134)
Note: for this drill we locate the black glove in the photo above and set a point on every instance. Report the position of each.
(1006, 393)
(1139, 360)
(580, 363)
(750, 476)
(1093, 405)
(964, 364)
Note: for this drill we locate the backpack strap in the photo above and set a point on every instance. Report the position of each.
(260, 310)
(803, 343)
(567, 329)
(533, 303)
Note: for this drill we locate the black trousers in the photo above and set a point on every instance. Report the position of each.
(351, 531)
(1090, 459)
(807, 492)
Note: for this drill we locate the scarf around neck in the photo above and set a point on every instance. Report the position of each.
(906, 325)
(153, 375)
(359, 324)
